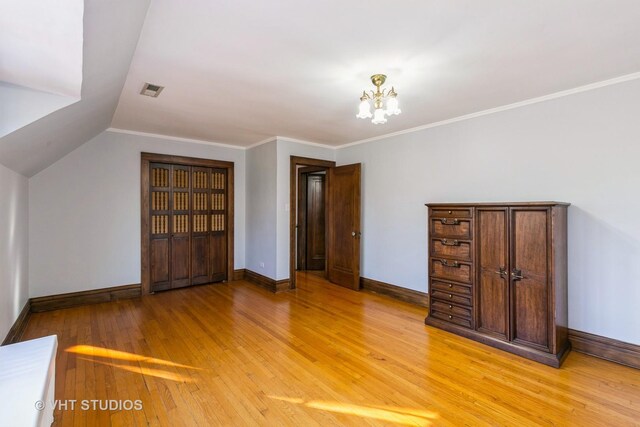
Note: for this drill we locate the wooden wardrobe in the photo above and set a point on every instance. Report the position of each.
(187, 216)
(498, 275)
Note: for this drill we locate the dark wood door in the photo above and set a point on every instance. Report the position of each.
(493, 272)
(160, 220)
(315, 246)
(343, 222)
(200, 235)
(188, 225)
(219, 224)
(529, 276)
(180, 227)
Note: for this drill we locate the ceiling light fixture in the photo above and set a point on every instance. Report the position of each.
(378, 97)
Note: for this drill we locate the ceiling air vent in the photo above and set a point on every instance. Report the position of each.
(151, 90)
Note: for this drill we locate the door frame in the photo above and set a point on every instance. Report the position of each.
(296, 161)
(145, 160)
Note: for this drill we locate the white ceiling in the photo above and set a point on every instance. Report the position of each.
(41, 45)
(241, 71)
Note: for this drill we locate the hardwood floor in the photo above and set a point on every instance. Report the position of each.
(235, 354)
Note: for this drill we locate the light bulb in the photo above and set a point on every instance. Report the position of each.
(378, 118)
(392, 106)
(365, 110)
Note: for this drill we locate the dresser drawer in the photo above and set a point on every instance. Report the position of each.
(452, 309)
(451, 212)
(450, 287)
(446, 296)
(460, 321)
(451, 248)
(450, 269)
(452, 228)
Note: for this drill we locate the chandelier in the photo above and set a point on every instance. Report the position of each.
(378, 97)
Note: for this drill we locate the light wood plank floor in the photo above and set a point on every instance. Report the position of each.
(234, 354)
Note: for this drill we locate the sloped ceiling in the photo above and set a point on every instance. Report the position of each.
(242, 71)
(41, 45)
(111, 31)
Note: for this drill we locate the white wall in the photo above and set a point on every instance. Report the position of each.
(286, 149)
(85, 212)
(583, 149)
(14, 211)
(261, 209)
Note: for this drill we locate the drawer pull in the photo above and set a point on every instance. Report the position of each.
(445, 221)
(450, 317)
(450, 296)
(446, 242)
(450, 307)
(446, 263)
(450, 285)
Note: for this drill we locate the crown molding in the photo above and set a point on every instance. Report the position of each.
(563, 93)
(264, 141)
(301, 141)
(175, 138)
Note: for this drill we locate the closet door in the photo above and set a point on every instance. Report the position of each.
(493, 275)
(201, 235)
(530, 243)
(181, 225)
(219, 223)
(159, 224)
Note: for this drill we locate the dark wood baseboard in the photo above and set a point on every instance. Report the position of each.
(73, 299)
(16, 331)
(267, 282)
(239, 274)
(605, 348)
(395, 292)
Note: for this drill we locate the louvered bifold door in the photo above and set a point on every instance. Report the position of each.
(181, 226)
(219, 224)
(159, 221)
(201, 234)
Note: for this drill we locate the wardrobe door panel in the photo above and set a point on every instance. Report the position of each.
(529, 276)
(493, 276)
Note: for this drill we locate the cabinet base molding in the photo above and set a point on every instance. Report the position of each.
(396, 292)
(95, 296)
(605, 348)
(16, 331)
(267, 283)
(530, 353)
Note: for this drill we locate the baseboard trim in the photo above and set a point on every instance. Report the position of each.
(267, 283)
(16, 331)
(395, 292)
(74, 299)
(605, 348)
(240, 274)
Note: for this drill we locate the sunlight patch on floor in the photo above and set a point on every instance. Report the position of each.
(394, 414)
(89, 350)
(158, 373)
(100, 352)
